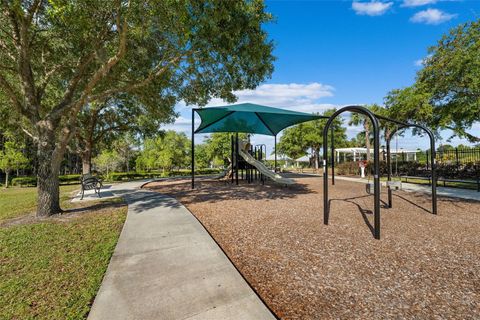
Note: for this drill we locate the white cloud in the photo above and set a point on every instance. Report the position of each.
(417, 3)
(432, 16)
(372, 8)
(418, 63)
(285, 94)
(292, 96)
(421, 62)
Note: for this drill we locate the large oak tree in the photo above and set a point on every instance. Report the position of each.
(59, 56)
(446, 93)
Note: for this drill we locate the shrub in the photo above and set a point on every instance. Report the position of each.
(31, 181)
(24, 181)
(69, 178)
(347, 168)
(122, 176)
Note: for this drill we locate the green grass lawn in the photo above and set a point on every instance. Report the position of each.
(19, 201)
(52, 268)
(459, 185)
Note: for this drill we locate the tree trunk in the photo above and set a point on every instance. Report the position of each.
(317, 158)
(47, 174)
(366, 126)
(86, 155)
(6, 178)
(86, 161)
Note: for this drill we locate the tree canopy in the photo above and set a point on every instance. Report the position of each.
(218, 147)
(11, 158)
(165, 152)
(296, 140)
(59, 57)
(446, 93)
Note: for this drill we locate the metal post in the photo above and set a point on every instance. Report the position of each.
(426, 155)
(434, 172)
(275, 163)
(256, 158)
(332, 149)
(478, 177)
(236, 158)
(193, 149)
(432, 156)
(456, 159)
(252, 168)
(376, 179)
(233, 156)
(326, 207)
(376, 164)
(389, 170)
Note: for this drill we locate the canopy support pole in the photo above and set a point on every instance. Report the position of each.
(232, 161)
(236, 158)
(275, 163)
(193, 149)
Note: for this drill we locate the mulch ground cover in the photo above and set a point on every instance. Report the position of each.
(424, 267)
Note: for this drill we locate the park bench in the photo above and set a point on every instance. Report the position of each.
(444, 180)
(472, 182)
(90, 182)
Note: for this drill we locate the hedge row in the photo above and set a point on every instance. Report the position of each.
(30, 181)
(448, 171)
(120, 176)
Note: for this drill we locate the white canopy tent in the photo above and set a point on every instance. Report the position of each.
(280, 157)
(303, 159)
(357, 153)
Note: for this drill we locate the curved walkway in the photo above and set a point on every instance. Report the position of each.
(166, 266)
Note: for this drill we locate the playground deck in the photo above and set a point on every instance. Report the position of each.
(424, 266)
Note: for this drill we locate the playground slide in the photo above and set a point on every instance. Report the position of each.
(264, 170)
(224, 174)
(227, 173)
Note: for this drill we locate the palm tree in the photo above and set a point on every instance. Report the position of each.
(359, 119)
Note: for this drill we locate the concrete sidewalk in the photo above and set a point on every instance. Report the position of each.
(412, 187)
(166, 266)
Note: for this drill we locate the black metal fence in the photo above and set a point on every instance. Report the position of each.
(455, 163)
(457, 157)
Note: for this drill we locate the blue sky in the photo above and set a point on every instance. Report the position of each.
(333, 53)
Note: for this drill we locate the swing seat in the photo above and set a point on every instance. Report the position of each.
(394, 185)
(370, 187)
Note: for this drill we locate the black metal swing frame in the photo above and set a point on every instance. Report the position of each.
(374, 118)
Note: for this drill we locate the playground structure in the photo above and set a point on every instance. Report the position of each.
(247, 118)
(251, 118)
(246, 157)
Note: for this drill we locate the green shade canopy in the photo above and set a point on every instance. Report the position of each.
(249, 118)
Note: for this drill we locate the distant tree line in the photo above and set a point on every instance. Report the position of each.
(91, 85)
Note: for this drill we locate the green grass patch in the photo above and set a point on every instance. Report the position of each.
(16, 201)
(451, 184)
(52, 269)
